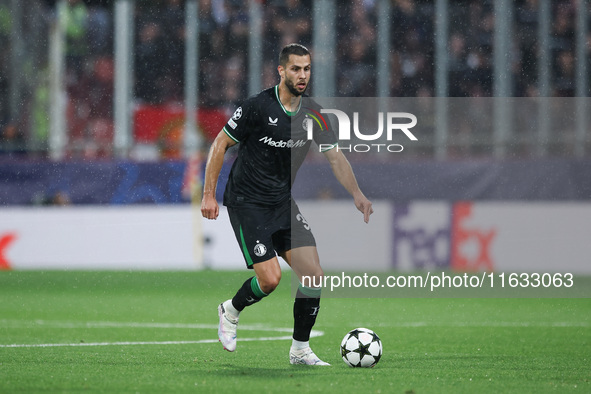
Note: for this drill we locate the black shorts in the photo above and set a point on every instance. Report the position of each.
(264, 232)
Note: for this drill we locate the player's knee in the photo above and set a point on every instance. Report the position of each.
(270, 281)
(318, 275)
(313, 278)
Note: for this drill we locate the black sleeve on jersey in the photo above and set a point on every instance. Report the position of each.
(239, 125)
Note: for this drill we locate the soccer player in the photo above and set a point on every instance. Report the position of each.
(265, 219)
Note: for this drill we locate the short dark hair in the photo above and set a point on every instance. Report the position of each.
(292, 49)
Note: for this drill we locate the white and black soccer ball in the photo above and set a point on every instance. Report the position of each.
(362, 348)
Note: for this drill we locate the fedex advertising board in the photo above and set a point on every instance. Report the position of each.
(486, 236)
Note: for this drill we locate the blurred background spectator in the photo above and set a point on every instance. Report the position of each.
(159, 45)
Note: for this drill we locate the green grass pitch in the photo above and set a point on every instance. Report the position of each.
(148, 332)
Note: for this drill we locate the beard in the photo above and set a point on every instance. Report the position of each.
(292, 89)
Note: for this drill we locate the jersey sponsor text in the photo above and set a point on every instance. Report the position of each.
(283, 144)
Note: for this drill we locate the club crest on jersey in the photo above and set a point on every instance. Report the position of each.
(307, 123)
(260, 249)
(273, 122)
(237, 114)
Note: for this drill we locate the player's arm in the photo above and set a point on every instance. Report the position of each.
(215, 160)
(344, 174)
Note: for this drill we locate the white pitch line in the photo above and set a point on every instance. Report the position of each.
(103, 324)
(57, 324)
(81, 344)
(488, 324)
(105, 344)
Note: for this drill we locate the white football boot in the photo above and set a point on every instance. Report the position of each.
(227, 329)
(304, 356)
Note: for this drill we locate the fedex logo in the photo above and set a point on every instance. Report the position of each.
(421, 236)
(470, 246)
(439, 235)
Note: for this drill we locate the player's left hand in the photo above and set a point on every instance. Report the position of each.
(209, 207)
(364, 206)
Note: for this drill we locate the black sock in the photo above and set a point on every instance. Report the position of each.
(305, 310)
(250, 293)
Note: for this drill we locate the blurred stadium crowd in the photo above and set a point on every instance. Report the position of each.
(223, 65)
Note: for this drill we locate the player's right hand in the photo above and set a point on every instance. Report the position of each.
(209, 207)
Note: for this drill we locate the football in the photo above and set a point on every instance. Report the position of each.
(361, 348)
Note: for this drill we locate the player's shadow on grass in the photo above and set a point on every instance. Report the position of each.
(282, 371)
